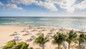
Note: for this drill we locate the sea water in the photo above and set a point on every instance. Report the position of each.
(65, 22)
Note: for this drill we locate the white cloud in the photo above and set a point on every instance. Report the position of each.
(48, 5)
(11, 6)
(25, 2)
(1, 4)
(82, 5)
(69, 5)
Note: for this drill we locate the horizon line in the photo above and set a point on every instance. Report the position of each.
(36, 16)
(47, 16)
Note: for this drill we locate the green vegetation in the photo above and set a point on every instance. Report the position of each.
(14, 45)
(59, 38)
(72, 37)
(81, 39)
(41, 40)
(21, 45)
(9, 45)
(31, 48)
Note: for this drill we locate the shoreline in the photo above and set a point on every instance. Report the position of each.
(45, 26)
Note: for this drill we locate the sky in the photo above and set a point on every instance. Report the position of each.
(43, 8)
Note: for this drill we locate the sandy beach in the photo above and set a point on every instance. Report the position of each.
(7, 30)
(42, 24)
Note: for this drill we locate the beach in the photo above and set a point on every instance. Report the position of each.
(6, 32)
(42, 24)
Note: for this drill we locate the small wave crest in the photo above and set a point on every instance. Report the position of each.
(29, 22)
(12, 23)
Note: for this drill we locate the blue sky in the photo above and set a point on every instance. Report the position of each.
(42, 7)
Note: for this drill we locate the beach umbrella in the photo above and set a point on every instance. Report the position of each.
(16, 33)
(38, 27)
(39, 33)
(43, 29)
(65, 44)
(83, 44)
(51, 32)
(25, 29)
(33, 36)
(48, 36)
(27, 32)
(34, 29)
(45, 45)
(17, 38)
(62, 30)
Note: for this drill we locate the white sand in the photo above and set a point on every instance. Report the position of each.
(7, 30)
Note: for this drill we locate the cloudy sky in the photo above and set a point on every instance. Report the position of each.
(42, 7)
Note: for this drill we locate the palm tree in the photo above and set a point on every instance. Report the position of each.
(59, 38)
(14, 45)
(72, 37)
(41, 40)
(21, 45)
(81, 39)
(9, 44)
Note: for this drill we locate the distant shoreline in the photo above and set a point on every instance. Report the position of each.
(42, 17)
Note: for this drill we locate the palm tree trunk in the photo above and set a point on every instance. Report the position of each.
(65, 47)
(83, 47)
(79, 46)
(58, 46)
(42, 46)
(69, 46)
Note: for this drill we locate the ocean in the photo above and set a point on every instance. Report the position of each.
(65, 22)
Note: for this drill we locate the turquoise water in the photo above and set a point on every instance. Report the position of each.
(66, 22)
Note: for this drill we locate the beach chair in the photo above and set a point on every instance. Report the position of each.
(31, 38)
